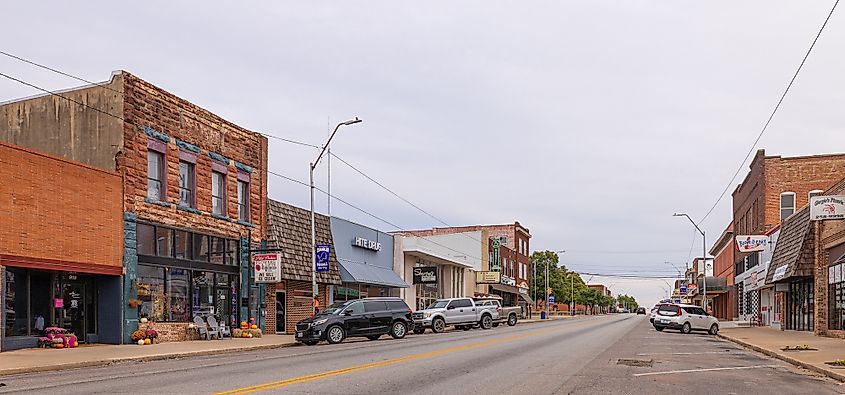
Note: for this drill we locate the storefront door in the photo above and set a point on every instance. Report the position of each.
(281, 302)
(76, 305)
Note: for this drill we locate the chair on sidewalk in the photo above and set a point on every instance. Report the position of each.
(223, 330)
(204, 330)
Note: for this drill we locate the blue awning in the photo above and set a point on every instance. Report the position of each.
(356, 272)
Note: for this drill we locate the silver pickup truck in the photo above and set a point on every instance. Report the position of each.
(510, 315)
(462, 313)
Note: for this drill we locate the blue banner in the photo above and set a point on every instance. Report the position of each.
(323, 254)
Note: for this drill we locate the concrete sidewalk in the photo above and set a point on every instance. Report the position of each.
(44, 359)
(770, 342)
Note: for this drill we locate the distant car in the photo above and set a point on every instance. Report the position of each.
(368, 317)
(640, 310)
(685, 318)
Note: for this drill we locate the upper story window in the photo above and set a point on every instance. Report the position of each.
(814, 192)
(218, 193)
(155, 175)
(243, 197)
(187, 184)
(787, 204)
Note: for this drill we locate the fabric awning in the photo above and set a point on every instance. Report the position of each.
(505, 288)
(357, 272)
(526, 298)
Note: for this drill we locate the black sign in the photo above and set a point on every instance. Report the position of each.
(425, 275)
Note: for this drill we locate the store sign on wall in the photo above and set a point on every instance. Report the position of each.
(779, 273)
(268, 268)
(827, 207)
(368, 244)
(488, 277)
(425, 275)
(507, 280)
(751, 243)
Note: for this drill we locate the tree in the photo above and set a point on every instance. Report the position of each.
(626, 301)
(560, 279)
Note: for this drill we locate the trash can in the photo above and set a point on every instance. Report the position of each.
(543, 315)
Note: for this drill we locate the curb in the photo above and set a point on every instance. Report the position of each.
(827, 372)
(147, 358)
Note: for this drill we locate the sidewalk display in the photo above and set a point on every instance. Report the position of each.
(58, 338)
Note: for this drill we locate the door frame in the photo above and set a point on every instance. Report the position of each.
(284, 313)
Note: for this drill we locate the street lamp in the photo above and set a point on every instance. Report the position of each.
(571, 281)
(703, 253)
(314, 290)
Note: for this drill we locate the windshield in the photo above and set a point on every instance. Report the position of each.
(439, 304)
(335, 308)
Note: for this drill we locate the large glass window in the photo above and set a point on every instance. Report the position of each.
(177, 294)
(182, 242)
(217, 250)
(232, 257)
(787, 204)
(203, 293)
(164, 241)
(218, 193)
(151, 293)
(155, 175)
(187, 184)
(146, 239)
(16, 305)
(243, 200)
(200, 247)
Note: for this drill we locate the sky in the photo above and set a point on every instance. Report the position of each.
(589, 122)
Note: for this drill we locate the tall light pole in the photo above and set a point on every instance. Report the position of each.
(314, 289)
(703, 253)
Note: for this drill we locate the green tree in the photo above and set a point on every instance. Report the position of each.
(627, 301)
(561, 280)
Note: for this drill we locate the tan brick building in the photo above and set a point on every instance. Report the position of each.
(194, 190)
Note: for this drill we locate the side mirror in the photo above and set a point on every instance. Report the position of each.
(450, 308)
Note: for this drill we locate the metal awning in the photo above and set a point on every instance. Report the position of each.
(358, 272)
(505, 288)
(526, 298)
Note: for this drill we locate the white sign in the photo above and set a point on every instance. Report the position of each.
(751, 243)
(827, 207)
(268, 267)
(779, 273)
(368, 244)
(509, 281)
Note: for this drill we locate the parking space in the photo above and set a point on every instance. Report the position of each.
(647, 360)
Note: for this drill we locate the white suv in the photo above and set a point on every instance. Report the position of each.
(685, 317)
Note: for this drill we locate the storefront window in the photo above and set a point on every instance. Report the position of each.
(232, 252)
(182, 242)
(164, 241)
(177, 293)
(218, 248)
(203, 292)
(200, 247)
(151, 293)
(17, 311)
(146, 239)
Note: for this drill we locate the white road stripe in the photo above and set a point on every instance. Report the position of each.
(684, 353)
(705, 370)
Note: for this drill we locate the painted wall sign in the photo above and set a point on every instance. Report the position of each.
(827, 207)
(268, 267)
(488, 277)
(368, 244)
(751, 243)
(324, 252)
(425, 275)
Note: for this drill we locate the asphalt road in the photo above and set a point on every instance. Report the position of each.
(618, 354)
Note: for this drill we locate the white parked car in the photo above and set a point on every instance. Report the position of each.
(686, 318)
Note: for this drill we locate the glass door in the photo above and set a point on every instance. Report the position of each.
(281, 302)
(74, 305)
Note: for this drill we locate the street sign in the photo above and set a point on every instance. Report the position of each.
(551, 299)
(677, 301)
(323, 254)
(683, 289)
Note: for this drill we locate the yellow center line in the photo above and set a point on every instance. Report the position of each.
(372, 365)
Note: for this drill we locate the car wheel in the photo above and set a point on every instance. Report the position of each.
(714, 330)
(686, 328)
(374, 337)
(310, 343)
(486, 322)
(512, 320)
(419, 330)
(658, 328)
(438, 325)
(335, 334)
(398, 330)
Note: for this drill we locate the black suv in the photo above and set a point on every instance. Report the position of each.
(369, 317)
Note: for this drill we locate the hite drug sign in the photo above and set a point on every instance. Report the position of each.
(268, 268)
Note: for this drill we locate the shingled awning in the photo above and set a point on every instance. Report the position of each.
(289, 230)
(793, 256)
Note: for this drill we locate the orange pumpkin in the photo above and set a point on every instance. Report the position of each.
(76, 344)
(254, 326)
(60, 345)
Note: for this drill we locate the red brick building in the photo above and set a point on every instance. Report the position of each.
(194, 190)
(724, 305)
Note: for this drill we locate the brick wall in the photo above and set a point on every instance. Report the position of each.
(58, 213)
(298, 306)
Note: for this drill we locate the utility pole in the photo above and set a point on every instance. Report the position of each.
(703, 255)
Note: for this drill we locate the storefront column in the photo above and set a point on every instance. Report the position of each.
(246, 266)
(130, 270)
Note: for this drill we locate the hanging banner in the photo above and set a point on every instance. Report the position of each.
(751, 243)
(324, 251)
(827, 207)
(268, 268)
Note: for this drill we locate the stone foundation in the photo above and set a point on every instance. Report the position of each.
(171, 331)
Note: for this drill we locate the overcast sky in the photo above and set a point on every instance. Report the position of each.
(589, 122)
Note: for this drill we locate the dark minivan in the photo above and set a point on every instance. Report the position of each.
(369, 317)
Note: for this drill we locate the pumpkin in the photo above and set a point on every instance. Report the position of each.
(244, 325)
(253, 326)
(60, 345)
(249, 336)
(148, 341)
(140, 342)
(76, 344)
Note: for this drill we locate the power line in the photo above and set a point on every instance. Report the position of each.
(772, 115)
(629, 276)
(58, 71)
(620, 251)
